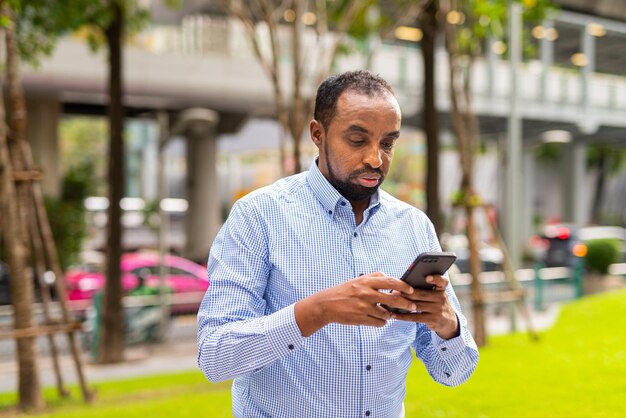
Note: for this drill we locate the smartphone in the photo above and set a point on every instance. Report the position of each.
(424, 265)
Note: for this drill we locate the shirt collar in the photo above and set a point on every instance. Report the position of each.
(327, 195)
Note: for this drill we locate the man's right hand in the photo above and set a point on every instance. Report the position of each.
(355, 302)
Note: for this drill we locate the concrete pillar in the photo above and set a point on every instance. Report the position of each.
(203, 218)
(514, 179)
(43, 134)
(575, 197)
(588, 46)
(528, 208)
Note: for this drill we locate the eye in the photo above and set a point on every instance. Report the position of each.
(357, 141)
(388, 145)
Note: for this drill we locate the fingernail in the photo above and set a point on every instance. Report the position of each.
(413, 307)
(429, 279)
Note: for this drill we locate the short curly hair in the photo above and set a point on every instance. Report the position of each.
(363, 82)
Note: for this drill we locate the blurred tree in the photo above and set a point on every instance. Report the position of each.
(311, 33)
(109, 22)
(106, 22)
(84, 140)
(31, 28)
(430, 117)
(607, 161)
(17, 215)
(330, 20)
(67, 214)
(467, 25)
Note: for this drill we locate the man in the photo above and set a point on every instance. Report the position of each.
(300, 269)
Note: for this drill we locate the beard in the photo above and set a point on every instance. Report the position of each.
(350, 190)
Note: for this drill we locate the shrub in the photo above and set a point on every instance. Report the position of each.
(67, 215)
(601, 253)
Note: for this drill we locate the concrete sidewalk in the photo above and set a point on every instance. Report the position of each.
(179, 351)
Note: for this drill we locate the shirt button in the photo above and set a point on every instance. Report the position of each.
(355, 234)
(447, 374)
(443, 348)
(343, 203)
(330, 212)
(368, 368)
(290, 346)
(367, 413)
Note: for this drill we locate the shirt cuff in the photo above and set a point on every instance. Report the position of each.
(283, 332)
(453, 346)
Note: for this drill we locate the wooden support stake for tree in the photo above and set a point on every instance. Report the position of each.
(53, 258)
(21, 295)
(46, 299)
(25, 178)
(509, 274)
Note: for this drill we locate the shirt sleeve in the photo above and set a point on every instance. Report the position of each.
(235, 336)
(449, 362)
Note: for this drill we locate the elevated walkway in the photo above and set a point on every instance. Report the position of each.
(218, 70)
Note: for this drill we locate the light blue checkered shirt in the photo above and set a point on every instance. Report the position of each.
(285, 242)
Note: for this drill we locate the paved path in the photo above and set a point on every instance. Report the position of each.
(179, 352)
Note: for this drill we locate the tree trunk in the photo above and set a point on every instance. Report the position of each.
(475, 267)
(598, 194)
(466, 133)
(297, 116)
(15, 231)
(430, 115)
(111, 348)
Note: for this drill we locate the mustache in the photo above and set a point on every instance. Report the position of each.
(361, 171)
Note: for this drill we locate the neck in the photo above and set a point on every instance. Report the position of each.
(358, 207)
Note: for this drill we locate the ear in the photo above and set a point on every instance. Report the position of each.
(317, 132)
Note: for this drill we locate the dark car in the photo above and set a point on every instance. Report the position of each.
(5, 289)
(561, 245)
(5, 295)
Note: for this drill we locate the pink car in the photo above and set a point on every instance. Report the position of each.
(184, 277)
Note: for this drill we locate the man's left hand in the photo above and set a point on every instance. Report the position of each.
(433, 308)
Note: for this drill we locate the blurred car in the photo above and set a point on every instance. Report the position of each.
(5, 295)
(5, 288)
(560, 244)
(183, 276)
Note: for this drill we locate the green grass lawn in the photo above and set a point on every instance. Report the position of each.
(577, 369)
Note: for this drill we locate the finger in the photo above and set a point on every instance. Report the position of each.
(426, 295)
(391, 283)
(397, 301)
(438, 281)
(417, 317)
(376, 314)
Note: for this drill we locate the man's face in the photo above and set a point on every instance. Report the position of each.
(356, 150)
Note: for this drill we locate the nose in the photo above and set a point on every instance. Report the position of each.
(373, 156)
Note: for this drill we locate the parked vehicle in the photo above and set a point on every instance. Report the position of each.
(5, 295)
(560, 244)
(5, 289)
(183, 276)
